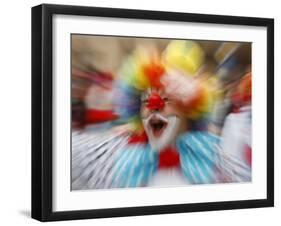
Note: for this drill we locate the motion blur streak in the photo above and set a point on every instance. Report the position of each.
(119, 84)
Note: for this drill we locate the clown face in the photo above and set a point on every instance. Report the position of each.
(162, 118)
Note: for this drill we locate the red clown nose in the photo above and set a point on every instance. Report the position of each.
(155, 102)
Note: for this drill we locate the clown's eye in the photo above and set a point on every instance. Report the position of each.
(166, 99)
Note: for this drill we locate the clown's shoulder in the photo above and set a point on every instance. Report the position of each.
(135, 165)
(203, 160)
(199, 157)
(200, 135)
(206, 143)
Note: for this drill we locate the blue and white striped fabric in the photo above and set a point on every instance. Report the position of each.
(135, 166)
(93, 157)
(108, 161)
(198, 157)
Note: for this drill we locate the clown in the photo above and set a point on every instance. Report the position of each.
(158, 97)
(163, 149)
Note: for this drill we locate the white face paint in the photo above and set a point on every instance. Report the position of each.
(161, 131)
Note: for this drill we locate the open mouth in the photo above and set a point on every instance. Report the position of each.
(157, 126)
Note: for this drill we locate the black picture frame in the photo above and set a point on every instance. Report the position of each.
(42, 108)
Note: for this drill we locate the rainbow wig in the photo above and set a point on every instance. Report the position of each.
(145, 68)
